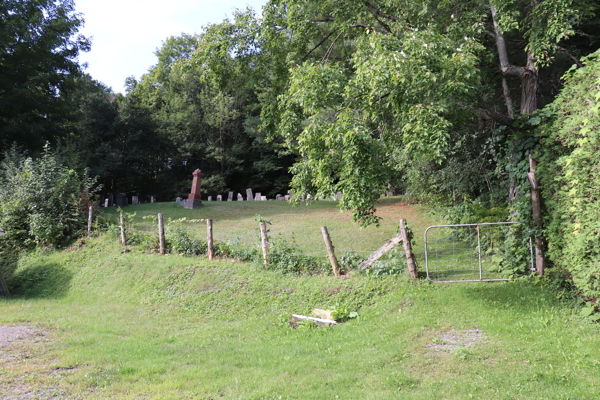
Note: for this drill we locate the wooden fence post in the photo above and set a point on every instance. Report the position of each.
(264, 242)
(90, 216)
(209, 238)
(161, 233)
(123, 237)
(408, 254)
(330, 252)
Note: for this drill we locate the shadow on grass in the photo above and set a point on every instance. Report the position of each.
(40, 281)
(521, 296)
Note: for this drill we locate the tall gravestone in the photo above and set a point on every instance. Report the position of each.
(194, 199)
(230, 196)
(257, 196)
(121, 200)
(249, 195)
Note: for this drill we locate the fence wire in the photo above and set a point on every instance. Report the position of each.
(469, 252)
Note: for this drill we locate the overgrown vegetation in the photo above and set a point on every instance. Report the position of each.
(42, 203)
(570, 146)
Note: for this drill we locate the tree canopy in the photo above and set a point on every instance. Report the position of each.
(38, 61)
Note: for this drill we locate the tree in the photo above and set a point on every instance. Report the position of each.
(376, 88)
(38, 61)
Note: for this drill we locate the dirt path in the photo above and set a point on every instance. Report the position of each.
(22, 367)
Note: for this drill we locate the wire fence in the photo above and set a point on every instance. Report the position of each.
(470, 252)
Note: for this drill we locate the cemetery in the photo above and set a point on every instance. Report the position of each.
(304, 200)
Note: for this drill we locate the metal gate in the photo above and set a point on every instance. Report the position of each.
(468, 252)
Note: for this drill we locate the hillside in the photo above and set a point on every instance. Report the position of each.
(94, 322)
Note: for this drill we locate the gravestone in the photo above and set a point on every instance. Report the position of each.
(178, 199)
(219, 198)
(209, 198)
(121, 200)
(152, 199)
(105, 202)
(230, 196)
(249, 195)
(278, 197)
(338, 196)
(194, 199)
(257, 197)
(240, 197)
(263, 198)
(135, 200)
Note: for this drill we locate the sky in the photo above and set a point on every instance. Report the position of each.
(125, 33)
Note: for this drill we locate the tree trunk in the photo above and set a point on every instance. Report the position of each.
(529, 77)
(529, 86)
(536, 206)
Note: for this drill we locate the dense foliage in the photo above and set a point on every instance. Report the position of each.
(39, 46)
(42, 201)
(571, 176)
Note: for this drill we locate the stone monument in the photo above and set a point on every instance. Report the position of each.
(121, 200)
(194, 199)
(230, 196)
(249, 195)
(240, 197)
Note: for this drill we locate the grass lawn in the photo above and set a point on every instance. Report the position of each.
(93, 322)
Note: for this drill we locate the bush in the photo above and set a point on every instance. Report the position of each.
(569, 171)
(288, 259)
(42, 202)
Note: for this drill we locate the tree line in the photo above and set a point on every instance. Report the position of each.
(459, 104)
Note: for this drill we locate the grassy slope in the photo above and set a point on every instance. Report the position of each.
(135, 325)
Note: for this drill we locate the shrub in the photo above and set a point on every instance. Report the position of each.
(569, 171)
(42, 202)
(287, 258)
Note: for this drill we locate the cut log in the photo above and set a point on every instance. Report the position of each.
(318, 321)
(376, 255)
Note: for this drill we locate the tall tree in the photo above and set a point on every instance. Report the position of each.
(38, 61)
(375, 86)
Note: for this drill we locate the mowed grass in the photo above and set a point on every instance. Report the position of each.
(133, 325)
(235, 222)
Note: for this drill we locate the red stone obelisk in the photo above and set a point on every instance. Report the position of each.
(194, 199)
